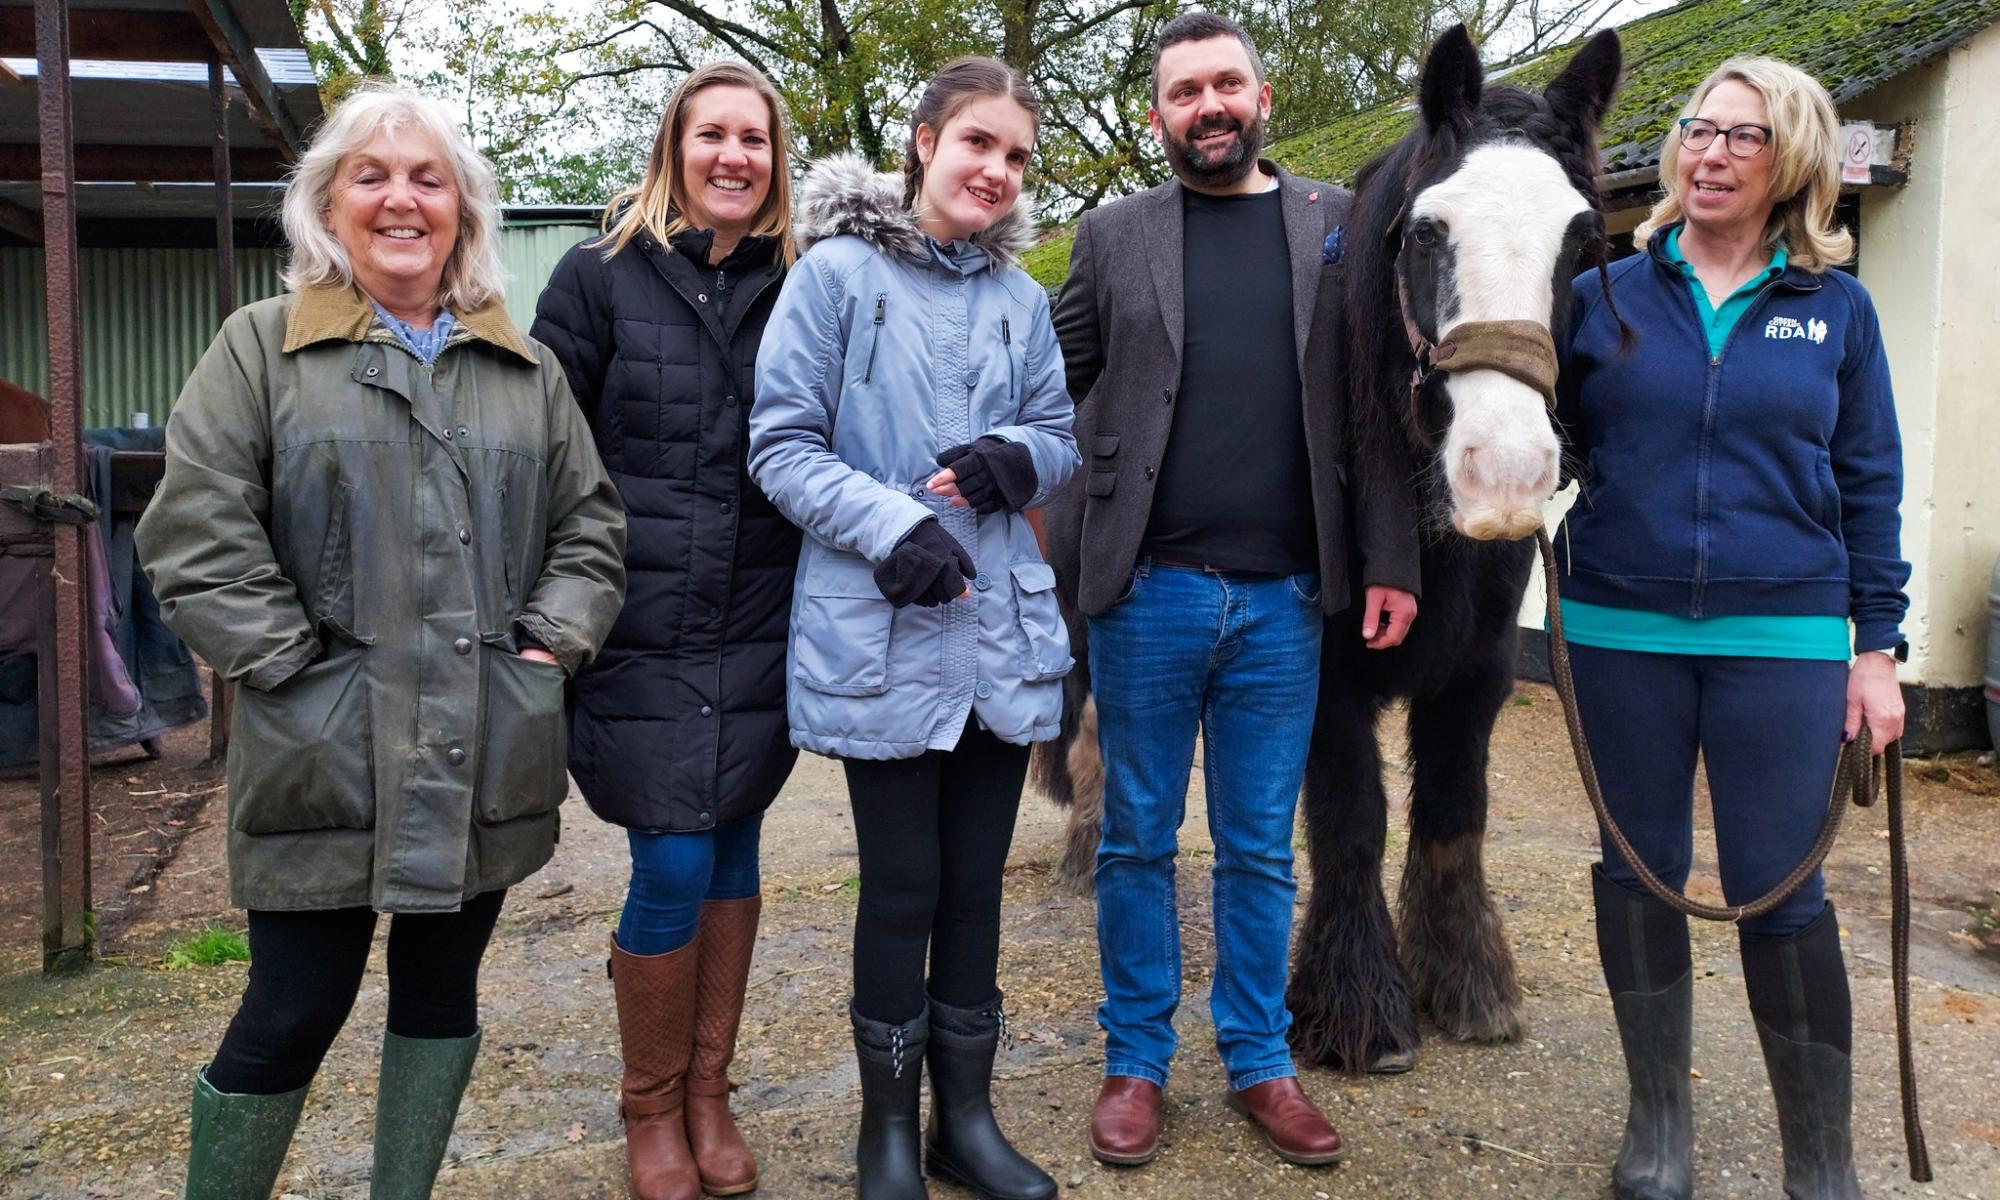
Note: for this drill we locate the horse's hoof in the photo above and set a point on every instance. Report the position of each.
(1393, 1062)
(1494, 1020)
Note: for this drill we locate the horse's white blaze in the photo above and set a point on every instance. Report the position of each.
(1508, 208)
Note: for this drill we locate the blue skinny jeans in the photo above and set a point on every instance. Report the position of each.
(674, 873)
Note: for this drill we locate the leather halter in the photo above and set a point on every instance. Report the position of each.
(1521, 350)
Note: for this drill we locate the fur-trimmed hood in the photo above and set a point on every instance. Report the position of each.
(844, 194)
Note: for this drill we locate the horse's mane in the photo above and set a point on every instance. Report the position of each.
(1379, 359)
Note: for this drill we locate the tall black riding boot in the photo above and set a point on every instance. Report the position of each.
(888, 1159)
(964, 1144)
(1643, 945)
(1798, 994)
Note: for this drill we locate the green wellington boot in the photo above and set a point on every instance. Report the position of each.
(415, 1108)
(238, 1142)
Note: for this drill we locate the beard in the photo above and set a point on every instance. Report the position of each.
(1216, 168)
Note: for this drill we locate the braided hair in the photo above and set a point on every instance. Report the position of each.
(962, 81)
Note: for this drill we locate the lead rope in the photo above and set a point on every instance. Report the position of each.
(1853, 776)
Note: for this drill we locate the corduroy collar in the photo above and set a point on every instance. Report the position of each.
(344, 314)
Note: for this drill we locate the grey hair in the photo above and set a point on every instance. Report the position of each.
(473, 274)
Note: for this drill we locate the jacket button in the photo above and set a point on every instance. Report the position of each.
(707, 818)
(982, 583)
(464, 536)
(706, 711)
(971, 377)
(372, 372)
(725, 506)
(1149, 472)
(714, 613)
(982, 689)
(730, 401)
(1167, 395)
(463, 645)
(447, 435)
(461, 431)
(701, 296)
(455, 757)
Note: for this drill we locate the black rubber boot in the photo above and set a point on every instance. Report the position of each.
(1798, 994)
(888, 1159)
(1643, 945)
(964, 1144)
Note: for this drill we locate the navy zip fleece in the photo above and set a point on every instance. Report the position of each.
(1763, 480)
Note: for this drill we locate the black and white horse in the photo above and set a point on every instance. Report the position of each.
(1481, 214)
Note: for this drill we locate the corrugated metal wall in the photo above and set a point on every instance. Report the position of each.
(148, 314)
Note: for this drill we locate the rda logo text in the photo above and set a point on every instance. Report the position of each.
(1782, 328)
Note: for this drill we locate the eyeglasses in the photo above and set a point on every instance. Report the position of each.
(1744, 141)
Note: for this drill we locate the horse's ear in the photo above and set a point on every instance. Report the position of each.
(1450, 89)
(1583, 91)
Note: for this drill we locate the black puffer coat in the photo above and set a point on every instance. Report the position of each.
(679, 724)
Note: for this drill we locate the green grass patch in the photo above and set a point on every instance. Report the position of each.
(211, 947)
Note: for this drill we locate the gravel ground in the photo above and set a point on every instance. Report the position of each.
(94, 1071)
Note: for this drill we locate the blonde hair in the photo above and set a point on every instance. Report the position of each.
(659, 204)
(473, 274)
(1805, 178)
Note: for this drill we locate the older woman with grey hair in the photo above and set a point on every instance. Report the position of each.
(383, 516)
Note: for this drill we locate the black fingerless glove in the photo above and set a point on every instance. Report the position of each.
(928, 567)
(993, 474)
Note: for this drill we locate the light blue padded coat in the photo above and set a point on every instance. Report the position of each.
(884, 348)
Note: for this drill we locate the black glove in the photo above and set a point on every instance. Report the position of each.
(993, 474)
(928, 567)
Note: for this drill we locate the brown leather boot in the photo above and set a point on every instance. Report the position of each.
(656, 1027)
(1125, 1121)
(1291, 1122)
(727, 937)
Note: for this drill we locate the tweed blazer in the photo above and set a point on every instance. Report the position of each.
(1121, 318)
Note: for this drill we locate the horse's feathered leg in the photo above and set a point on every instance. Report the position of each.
(1454, 945)
(1350, 1005)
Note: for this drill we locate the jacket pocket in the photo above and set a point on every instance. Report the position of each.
(333, 605)
(1104, 445)
(1829, 491)
(1101, 483)
(523, 752)
(1044, 638)
(301, 755)
(840, 640)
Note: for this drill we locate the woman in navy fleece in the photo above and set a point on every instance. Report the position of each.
(1737, 532)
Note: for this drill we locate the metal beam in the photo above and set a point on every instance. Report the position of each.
(112, 34)
(21, 162)
(23, 223)
(232, 42)
(67, 934)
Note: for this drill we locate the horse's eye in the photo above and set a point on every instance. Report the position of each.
(1424, 236)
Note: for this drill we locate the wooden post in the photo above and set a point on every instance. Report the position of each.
(67, 929)
(222, 693)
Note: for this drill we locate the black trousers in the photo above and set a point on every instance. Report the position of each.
(933, 833)
(305, 970)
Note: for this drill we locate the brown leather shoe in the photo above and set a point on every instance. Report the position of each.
(1125, 1121)
(655, 994)
(1290, 1121)
(727, 936)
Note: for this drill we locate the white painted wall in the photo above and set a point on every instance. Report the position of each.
(1927, 258)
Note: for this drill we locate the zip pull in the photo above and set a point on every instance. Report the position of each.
(881, 315)
(1007, 342)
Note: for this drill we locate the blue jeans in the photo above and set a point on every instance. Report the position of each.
(1237, 657)
(1767, 729)
(673, 873)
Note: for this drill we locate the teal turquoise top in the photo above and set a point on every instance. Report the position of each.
(1814, 637)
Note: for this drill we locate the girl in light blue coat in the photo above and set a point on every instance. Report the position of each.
(910, 404)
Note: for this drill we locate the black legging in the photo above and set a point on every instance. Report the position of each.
(933, 832)
(305, 970)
